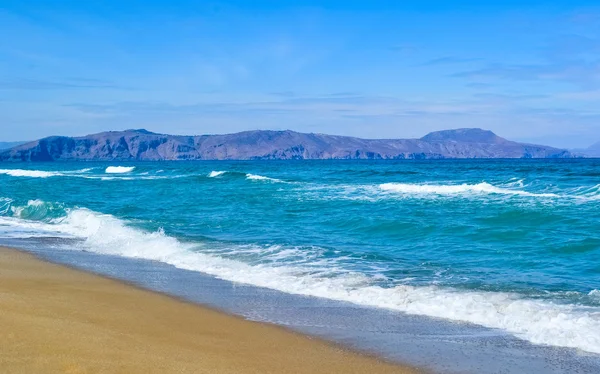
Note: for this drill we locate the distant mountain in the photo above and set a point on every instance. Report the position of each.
(465, 136)
(8, 145)
(591, 151)
(274, 145)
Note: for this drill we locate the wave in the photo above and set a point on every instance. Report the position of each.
(461, 189)
(119, 169)
(42, 173)
(214, 174)
(85, 170)
(514, 182)
(5, 205)
(115, 178)
(30, 220)
(38, 210)
(256, 177)
(484, 188)
(30, 173)
(538, 321)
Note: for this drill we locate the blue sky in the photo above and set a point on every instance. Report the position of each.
(528, 70)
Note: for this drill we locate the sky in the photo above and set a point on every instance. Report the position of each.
(527, 70)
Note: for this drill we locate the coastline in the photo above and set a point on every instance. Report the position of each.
(57, 319)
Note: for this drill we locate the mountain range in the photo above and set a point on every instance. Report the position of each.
(274, 145)
(8, 145)
(591, 151)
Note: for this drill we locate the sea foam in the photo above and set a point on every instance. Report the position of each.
(214, 174)
(119, 169)
(256, 177)
(43, 173)
(538, 321)
(253, 177)
(459, 189)
(30, 173)
(425, 190)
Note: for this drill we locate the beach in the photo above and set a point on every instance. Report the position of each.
(56, 319)
(480, 266)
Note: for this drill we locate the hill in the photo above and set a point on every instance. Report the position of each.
(8, 145)
(273, 145)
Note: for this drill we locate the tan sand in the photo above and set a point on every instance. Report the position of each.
(54, 319)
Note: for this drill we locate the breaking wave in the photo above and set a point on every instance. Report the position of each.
(461, 189)
(214, 174)
(30, 173)
(119, 169)
(484, 188)
(41, 173)
(256, 177)
(253, 177)
(538, 321)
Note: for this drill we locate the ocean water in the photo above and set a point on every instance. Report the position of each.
(510, 245)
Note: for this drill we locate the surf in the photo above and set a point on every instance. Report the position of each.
(538, 321)
(214, 174)
(30, 173)
(426, 190)
(459, 189)
(43, 173)
(119, 169)
(256, 177)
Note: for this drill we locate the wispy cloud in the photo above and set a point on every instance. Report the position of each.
(584, 74)
(284, 93)
(572, 47)
(448, 60)
(585, 16)
(382, 116)
(571, 59)
(339, 70)
(479, 86)
(407, 49)
(67, 83)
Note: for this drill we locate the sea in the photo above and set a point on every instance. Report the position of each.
(456, 266)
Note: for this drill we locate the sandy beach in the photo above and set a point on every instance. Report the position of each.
(55, 319)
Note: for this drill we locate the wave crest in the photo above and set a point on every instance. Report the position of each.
(42, 173)
(539, 321)
(214, 174)
(119, 169)
(30, 173)
(256, 177)
(484, 188)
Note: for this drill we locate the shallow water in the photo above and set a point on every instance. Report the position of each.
(512, 245)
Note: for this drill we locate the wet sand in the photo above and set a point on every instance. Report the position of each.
(54, 319)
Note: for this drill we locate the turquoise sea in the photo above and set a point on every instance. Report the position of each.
(510, 245)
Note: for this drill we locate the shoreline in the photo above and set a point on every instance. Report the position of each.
(58, 319)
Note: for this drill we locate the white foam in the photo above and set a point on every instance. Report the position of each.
(579, 194)
(118, 178)
(44, 173)
(30, 173)
(11, 227)
(78, 171)
(538, 321)
(119, 169)
(18, 210)
(458, 189)
(515, 182)
(214, 174)
(5, 205)
(256, 177)
(587, 192)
